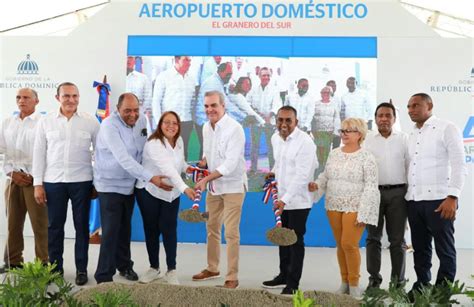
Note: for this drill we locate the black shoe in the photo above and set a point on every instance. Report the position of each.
(277, 282)
(6, 268)
(288, 291)
(129, 274)
(81, 278)
(373, 284)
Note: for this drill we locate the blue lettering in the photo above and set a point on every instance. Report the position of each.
(250, 13)
(308, 10)
(267, 10)
(226, 10)
(178, 13)
(238, 6)
(144, 11)
(295, 11)
(167, 8)
(469, 129)
(155, 8)
(319, 10)
(192, 8)
(330, 7)
(215, 10)
(344, 10)
(360, 10)
(281, 10)
(201, 9)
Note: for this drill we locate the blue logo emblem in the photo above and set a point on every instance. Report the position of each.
(27, 67)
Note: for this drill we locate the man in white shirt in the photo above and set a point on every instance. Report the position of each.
(295, 163)
(355, 103)
(224, 144)
(389, 147)
(436, 175)
(174, 90)
(337, 101)
(266, 101)
(17, 137)
(304, 105)
(139, 84)
(62, 171)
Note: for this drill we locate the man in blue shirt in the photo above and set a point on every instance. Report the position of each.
(118, 155)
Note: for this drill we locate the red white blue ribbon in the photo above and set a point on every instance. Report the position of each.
(270, 190)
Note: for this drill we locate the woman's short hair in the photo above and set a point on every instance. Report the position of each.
(357, 124)
(158, 134)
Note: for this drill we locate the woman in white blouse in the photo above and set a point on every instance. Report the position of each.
(163, 154)
(350, 181)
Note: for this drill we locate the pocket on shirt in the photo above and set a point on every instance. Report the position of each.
(83, 138)
(52, 135)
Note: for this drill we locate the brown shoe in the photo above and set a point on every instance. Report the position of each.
(231, 284)
(206, 275)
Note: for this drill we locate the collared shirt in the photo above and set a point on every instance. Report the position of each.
(355, 105)
(437, 165)
(62, 150)
(391, 155)
(295, 162)
(163, 159)
(265, 100)
(224, 151)
(215, 83)
(304, 106)
(326, 117)
(173, 91)
(240, 101)
(118, 155)
(140, 85)
(17, 137)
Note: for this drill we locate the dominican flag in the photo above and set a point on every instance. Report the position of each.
(103, 89)
(102, 112)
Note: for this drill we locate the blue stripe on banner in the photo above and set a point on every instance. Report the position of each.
(281, 46)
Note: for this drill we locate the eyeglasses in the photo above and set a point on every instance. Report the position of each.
(346, 131)
(170, 123)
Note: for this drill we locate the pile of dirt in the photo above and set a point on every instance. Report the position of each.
(155, 294)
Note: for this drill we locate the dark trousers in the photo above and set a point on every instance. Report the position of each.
(292, 257)
(116, 218)
(425, 225)
(58, 196)
(159, 217)
(393, 209)
(186, 129)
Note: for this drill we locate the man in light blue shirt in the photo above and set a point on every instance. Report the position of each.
(118, 155)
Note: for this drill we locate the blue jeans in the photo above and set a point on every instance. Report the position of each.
(116, 217)
(58, 196)
(159, 217)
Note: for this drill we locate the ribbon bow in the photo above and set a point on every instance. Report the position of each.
(270, 190)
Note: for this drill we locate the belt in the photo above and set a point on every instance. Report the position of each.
(391, 186)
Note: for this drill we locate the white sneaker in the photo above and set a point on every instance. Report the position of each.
(171, 277)
(356, 292)
(343, 288)
(150, 275)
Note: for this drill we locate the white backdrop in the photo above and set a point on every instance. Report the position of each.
(411, 58)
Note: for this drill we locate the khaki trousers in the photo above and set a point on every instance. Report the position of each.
(227, 209)
(19, 201)
(347, 237)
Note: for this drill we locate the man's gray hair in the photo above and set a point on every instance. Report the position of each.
(216, 93)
